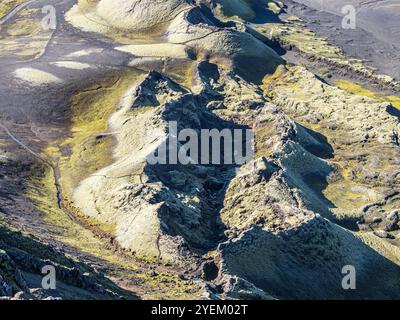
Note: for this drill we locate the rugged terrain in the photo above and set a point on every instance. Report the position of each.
(84, 106)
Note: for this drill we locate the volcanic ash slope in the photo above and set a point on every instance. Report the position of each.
(380, 18)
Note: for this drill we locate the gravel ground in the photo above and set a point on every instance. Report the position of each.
(376, 38)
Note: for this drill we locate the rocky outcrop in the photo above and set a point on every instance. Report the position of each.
(361, 130)
(166, 212)
(181, 23)
(139, 16)
(133, 15)
(273, 210)
(22, 259)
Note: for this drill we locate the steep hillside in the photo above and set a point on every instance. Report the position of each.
(91, 106)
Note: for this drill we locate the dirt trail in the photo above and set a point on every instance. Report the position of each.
(54, 167)
(14, 11)
(15, 139)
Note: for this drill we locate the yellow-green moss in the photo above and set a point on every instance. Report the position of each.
(356, 89)
(43, 193)
(90, 144)
(395, 100)
(24, 27)
(84, 15)
(7, 5)
(274, 7)
(89, 113)
(236, 9)
(349, 191)
(294, 32)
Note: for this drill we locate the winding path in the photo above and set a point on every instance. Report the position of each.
(15, 139)
(14, 11)
(56, 174)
